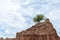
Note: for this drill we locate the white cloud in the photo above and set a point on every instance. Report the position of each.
(16, 15)
(54, 15)
(7, 31)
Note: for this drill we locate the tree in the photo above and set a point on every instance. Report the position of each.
(38, 18)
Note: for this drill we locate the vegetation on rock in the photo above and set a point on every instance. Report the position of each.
(38, 18)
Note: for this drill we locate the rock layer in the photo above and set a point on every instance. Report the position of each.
(40, 31)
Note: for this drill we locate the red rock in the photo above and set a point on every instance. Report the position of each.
(40, 31)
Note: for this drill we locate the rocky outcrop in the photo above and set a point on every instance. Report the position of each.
(10, 39)
(1, 38)
(40, 31)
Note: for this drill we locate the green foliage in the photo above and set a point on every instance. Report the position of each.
(38, 18)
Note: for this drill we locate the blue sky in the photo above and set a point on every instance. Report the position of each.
(17, 15)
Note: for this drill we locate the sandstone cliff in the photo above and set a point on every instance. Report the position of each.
(40, 31)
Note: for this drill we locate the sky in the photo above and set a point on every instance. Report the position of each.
(17, 15)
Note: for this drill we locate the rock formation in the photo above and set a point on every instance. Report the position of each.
(1, 39)
(40, 31)
(8, 39)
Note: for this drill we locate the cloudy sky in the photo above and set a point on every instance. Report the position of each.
(17, 15)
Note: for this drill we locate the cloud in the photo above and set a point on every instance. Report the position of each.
(17, 15)
(54, 15)
(7, 31)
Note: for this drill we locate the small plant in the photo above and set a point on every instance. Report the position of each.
(38, 18)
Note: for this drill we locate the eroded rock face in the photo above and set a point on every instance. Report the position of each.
(40, 31)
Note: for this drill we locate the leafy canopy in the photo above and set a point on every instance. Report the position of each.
(38, 18)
